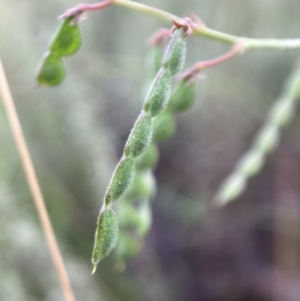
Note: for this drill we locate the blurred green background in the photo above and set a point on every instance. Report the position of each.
(247, 251)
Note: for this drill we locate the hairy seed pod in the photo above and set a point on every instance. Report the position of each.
(143, 186)
(282, 112)
(106, 235)
(292, 88)
(148, 158)
(128, 215)
(145, 219)
(67, 39)
(154, 59)
(52, 71)
(184, 97)
(233, 186)
(140, 136)
(174, 57)
(251, 163)
(121, 180)
(163, 126)
(127, 247)
(267, 139)
(159, 94)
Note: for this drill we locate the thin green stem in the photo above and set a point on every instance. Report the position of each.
(147, 10)
(198, 29)
(214, 34)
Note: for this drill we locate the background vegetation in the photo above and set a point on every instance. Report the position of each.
(247, 251)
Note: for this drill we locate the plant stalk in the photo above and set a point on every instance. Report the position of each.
(34, 185)
(263, 44)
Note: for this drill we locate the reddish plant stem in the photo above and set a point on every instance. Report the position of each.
(159, 37)
(192, 72)
(77, 11)
(95, 6)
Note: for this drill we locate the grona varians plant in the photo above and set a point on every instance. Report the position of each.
(133, 181)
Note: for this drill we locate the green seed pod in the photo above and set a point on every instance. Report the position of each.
(128, 247)
(140, 136)
(106, 236)
(154, 59)
(174, 58)
(163, 126)
(251, 163)
(121, 180)
(231, 188)
(267, 140)
(292, 87)
(159, 94)
(148, 158)
(145, 219)
(52, 71)
(282, 112)
(143, 186)
(67, 40)
(128, 215)
(184, 97)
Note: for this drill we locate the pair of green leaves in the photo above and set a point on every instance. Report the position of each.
(66, 41)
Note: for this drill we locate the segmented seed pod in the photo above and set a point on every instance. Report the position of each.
(143, 186)
(127, 214)
(106, 236)
(163, 126)
(154, 59)
(136, 153)
(282, 112)
(231, 188)
(145, 219)
(265, 142)
(127, 248)
(184, 97)
(67, 39)
(267, 139)
(251, 163)
(52, 71)
(148, 158)
(121, 180)
(175, 54)
(292, 87)
(159, 94)
(140, 136)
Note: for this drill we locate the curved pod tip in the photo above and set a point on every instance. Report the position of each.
(52, 71)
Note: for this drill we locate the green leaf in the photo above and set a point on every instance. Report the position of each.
(67, 40)
(52, 71)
